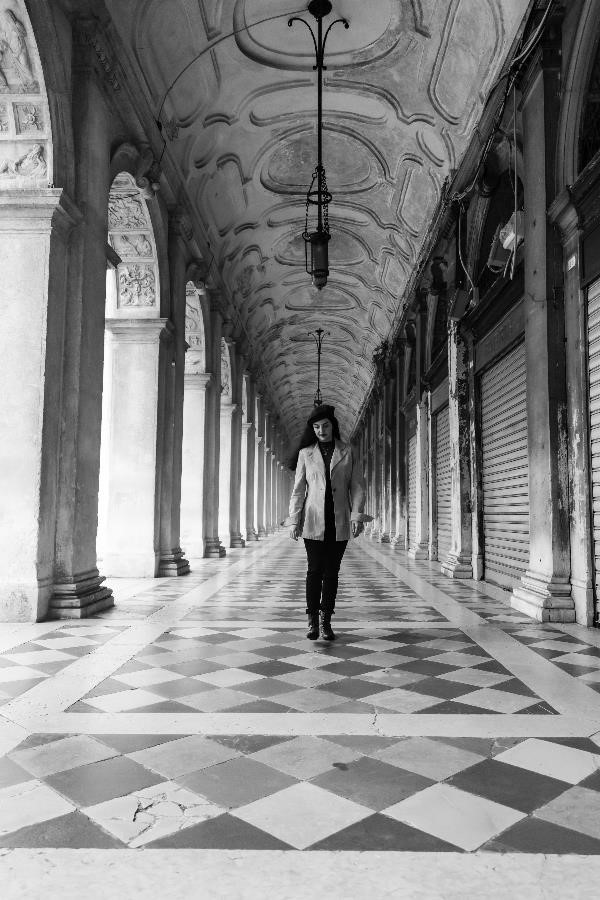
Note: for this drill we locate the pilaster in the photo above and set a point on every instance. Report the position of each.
(192, 478)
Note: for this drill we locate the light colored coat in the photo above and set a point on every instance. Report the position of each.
(307, 503)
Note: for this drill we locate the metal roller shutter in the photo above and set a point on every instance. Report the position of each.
(594, 375)
(505, 465)
(443, 484)
(412, 490)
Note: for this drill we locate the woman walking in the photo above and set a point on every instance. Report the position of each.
(326, 509)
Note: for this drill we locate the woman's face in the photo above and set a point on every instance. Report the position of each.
(323, 429)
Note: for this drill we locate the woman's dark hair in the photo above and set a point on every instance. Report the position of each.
(308, 435)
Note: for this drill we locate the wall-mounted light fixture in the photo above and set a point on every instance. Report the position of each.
(318, 194)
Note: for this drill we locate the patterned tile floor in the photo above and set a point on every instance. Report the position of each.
(195, 715)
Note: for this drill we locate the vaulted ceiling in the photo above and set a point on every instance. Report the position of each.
(402, 93)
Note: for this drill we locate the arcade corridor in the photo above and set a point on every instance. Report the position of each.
(440, 725)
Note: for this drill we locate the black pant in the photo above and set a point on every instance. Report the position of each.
(324, 560)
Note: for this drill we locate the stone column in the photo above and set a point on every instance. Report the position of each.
(267, 476)
(420, 549)
(34, 245)
(212, 434)
(566, 216)
(192, 478)
(370, 480)
(246, 426)
(459, 563)
(131, 547)
(225, 472)
(386, 447)
(399, 460)
(250, 523)
(78, 589)
(171, 558)
(259, 496)
(545, 590)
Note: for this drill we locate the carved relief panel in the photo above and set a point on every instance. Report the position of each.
(195, 358)
(25, 146)
(131, 237)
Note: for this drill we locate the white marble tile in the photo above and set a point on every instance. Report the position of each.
(580, 659)
(498, 701)
(186, 755)
(37, 657)
(29, 803)
(565, 763)
(229, 677)
(215, 701)
(151, 813)
(57, 756)
(455, 816)
(401, 701)
(431, 759)
(561, 646)
(475, 677)
(147, 677)
(577, 809)
(305, 757)
(457, 658)
(64, 642)
(302, 814)
(123, 700)
(308, 700)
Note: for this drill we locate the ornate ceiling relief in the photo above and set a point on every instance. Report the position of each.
(131, 237)
(25, 144)
(402, 92)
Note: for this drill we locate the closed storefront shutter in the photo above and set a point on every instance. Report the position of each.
(594, 373)
(412, 491)
(505, 467)
(443, 484)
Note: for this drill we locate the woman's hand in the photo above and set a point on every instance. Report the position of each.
(357, 528)
(294, 532)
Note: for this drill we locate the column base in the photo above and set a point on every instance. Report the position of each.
(384, 537)
(81, 598)
(237, 541)
(398, 541)
(213, 549)
(262, 532)
(420, 552)
(173, 564)
(544, 599)
(251, 536)
(457, 566)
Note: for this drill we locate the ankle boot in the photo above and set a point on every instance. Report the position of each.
(313, 627)
(326, 630)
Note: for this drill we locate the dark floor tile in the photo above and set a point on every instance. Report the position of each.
(514, 686)
(536, 836)
(81, 707)
(438, 687)
(236, 782)
(108, 686)
(592, 781)
(131, 743)
(165, 706)
(74, 830)
(196, 667)
(271, 667)
(492, 666)
(185, 687)
(578, 743)
(276, 651)
(259, 706)
(347, 668)
(221, 833)
(39, 740)
(372, 783)
(455, 707)
(413, 651)
(537, 709)
(425, 667)
(367, 744)
(509, 785)
(266, 687)
(101, 781)
(15, 688)
(380, 832)
(572, 669)
(250, 743)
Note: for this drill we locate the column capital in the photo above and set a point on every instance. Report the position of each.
(139, 331)
(36, 210)
(228, 409)
(197, 380)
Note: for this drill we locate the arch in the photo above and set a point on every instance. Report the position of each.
(26, 146)
(195, 330)
(581, 61)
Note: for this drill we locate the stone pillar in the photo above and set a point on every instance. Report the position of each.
(225, 473)
(370, 485)
(566, 216)
(78, 589)
(545, 590)
(420, 549)
(259, 496)
(246, 426)
(171, 558)
(250, 522)
(459, 561)
(399, 461)
(212, 434)
(267, 476)
(386, 449)
(34, 242)
(192, 478)
(131, 547)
